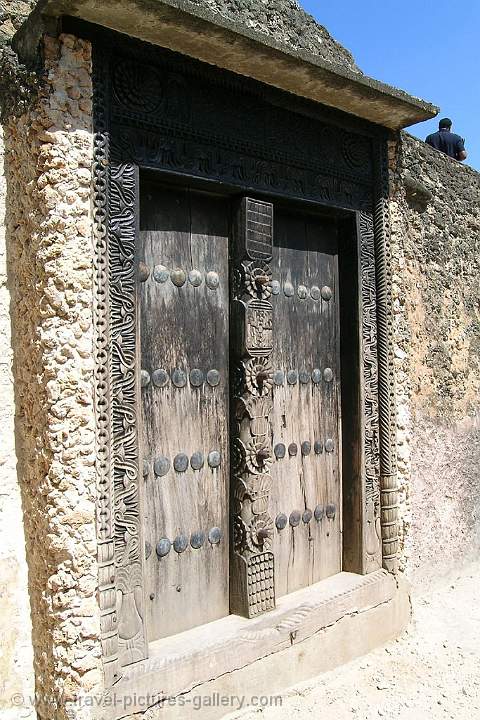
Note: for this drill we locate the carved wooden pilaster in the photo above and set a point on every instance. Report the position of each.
(386, 378)
(123, 214)
(370, 432)
(252, 568)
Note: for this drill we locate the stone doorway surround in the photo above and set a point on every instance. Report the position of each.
(69, 444)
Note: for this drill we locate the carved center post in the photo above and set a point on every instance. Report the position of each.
(252, 582)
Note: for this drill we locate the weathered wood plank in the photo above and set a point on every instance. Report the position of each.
(306, 419)
(184, 439)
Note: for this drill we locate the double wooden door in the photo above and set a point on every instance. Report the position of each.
(188, 369)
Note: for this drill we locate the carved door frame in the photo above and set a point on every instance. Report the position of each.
(126, 141)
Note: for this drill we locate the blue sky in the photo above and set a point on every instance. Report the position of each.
(430, 49)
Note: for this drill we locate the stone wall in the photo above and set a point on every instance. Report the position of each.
(48, 162)
(12, 14)
(16, 669)
(435, 212)
(285, 21)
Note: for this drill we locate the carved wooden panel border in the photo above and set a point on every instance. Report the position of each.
(149, 127)
(370, 410)
(129, 552)
(387, 415)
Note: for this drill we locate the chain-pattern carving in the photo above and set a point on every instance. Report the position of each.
(103, 408)
(252, 580)
(370, 392)
(388, 474)
(128, 530)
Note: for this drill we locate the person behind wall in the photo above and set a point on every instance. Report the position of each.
(447, 142)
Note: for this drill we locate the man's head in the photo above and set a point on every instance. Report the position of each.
(445, 124)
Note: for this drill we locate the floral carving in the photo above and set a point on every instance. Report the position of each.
(260, 533)
(258, 280)
(259, 376)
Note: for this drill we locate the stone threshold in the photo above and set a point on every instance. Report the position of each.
(310, 631)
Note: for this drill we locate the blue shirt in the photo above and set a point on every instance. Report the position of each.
(447, 142)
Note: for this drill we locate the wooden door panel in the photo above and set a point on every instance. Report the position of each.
(306, 494)
(183, 327)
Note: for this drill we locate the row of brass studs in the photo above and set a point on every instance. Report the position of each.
(280, 449)
(197, 377)
(281, 521)
(181, 542)
(304, 377)
(178, 276)
(181, 462)
(302, 291)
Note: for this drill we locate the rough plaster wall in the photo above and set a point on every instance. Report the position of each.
(50, 260)
(437, 323)
(16, 669)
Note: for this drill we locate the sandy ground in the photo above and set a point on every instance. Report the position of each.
(431, 672)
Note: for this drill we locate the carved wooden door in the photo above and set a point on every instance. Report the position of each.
(305, 500)
(206, 263)
(183, 325)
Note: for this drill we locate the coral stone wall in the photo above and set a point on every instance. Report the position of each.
(285, 21)
(48, 161)
(435, 212)
(12, 14)
(16, 669)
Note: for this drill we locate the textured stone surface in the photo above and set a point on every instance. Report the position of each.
(287, 22)
(48, 162)
(284, 20)
(16, 669)
(17, 83)
(12, 14)
(435, 213)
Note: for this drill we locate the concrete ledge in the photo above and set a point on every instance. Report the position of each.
(309, 632)
(183, 27)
